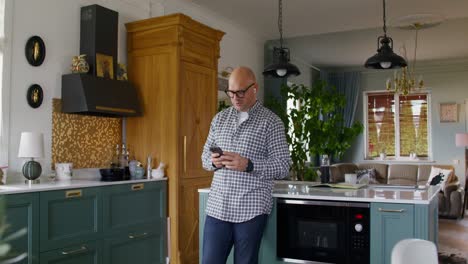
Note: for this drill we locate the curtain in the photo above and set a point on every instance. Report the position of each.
(349, 84)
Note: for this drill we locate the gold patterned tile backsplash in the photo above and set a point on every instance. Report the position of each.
(86, 141)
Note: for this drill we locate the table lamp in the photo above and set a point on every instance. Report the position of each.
(31, 146)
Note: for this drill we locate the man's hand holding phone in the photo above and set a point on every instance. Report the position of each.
(216, 156)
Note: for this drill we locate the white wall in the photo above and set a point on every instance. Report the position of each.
(448, 82)
(238, 47)
(57, 22)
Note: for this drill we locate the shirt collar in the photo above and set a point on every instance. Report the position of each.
(252, 109)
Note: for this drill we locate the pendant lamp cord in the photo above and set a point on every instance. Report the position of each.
(280, 21)
(384, 19)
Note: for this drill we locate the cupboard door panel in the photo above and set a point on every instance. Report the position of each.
(128, 206)
(189, 218)
(69, 217)
(22, 211)
(198, 107)
(153, 72)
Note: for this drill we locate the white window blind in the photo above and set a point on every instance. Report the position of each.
(397, 125)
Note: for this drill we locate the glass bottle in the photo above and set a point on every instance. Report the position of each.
(115, 163)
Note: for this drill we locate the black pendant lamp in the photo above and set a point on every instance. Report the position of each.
(281, 68)
(385, 57)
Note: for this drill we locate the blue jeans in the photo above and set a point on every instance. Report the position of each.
(219, 237)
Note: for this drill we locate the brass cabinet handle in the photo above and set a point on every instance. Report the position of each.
(137, 187)
(185, 154)
(391, 211)
(73, 193)
(132, 236)
(76, 251)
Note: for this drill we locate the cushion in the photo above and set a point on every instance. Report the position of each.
(366, 176)
(438, 176)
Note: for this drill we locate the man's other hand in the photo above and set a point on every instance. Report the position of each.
(234, 161)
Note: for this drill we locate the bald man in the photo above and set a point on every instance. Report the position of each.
(252, 152)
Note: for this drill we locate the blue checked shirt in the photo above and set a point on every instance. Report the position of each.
(240, 196)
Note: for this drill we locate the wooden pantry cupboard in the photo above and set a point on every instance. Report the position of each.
(173, 62)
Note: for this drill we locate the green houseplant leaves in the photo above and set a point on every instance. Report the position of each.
(315, 125)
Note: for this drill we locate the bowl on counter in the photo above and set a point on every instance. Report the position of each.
(112, 174)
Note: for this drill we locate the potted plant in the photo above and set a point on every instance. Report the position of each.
(315, 127)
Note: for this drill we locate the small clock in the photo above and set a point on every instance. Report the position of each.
(448, 112)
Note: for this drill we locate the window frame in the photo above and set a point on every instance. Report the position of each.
(396, 121)
(5, 85)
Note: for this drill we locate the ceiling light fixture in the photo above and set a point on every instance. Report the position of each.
(281, 68)
(385, 57)
(404, 81)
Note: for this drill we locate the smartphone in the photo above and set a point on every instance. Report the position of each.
(217, 150)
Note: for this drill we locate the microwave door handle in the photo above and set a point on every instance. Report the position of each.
(324, 203)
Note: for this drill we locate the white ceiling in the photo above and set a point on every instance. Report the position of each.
(344, 32)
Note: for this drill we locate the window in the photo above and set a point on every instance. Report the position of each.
(3, 90)
(397, 125)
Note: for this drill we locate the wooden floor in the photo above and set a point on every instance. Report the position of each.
(453, 236)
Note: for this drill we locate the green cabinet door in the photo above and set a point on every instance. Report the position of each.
(22, 213)
(128, 206)
(267, 254)
(142, 247)
(69, 217)
(390, 223)
(83, 253)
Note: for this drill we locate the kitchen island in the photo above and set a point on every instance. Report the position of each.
(395, 214)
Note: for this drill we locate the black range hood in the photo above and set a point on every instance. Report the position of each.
(87, 94)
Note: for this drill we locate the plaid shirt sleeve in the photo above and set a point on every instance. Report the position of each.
(210, 142)
(276, 164)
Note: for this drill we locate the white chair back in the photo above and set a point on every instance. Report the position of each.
(413, 251)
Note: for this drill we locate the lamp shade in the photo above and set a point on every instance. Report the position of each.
(281, 68)
(461, 139)
(31, 145)
(385, 58)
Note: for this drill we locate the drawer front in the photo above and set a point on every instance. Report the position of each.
(83, 253)
(142, 246)
(22, 212)
(69, 217)
(132, 205)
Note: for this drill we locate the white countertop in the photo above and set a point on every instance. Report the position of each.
(46, 185)
(372, 193)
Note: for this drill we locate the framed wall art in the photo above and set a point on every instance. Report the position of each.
(104, 66)
(35, 51)
(35, 95)
(448, 112)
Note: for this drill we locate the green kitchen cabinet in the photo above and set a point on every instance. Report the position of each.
(140, 246)
(390, 223)
(127, 206)
(121, 223)
(82, 253)
(69, 217)
(22, 210)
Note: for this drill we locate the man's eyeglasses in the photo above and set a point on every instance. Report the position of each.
(239, 94)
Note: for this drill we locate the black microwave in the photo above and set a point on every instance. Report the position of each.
(315, 231)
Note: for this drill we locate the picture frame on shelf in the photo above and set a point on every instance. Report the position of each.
(104, 66)
(448, 112)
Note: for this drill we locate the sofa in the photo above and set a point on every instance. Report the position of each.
(450, 198)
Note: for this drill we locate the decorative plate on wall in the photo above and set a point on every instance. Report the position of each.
(35, 96)
(35, 51)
